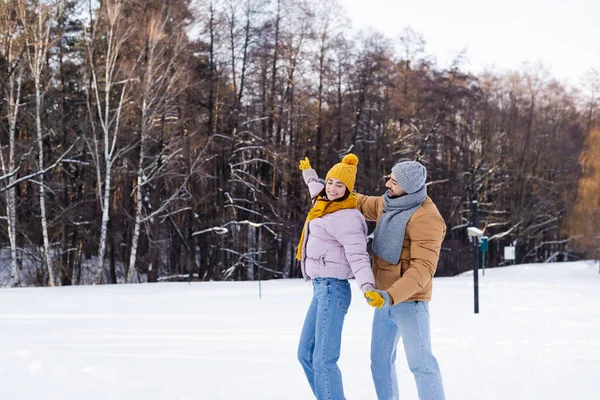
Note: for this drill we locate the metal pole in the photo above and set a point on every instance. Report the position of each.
(259, 284)
(189, 270)
(475, 258)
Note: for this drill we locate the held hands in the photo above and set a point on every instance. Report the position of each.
(378, 298)
(304, 164)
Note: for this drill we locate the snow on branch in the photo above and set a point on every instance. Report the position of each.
(252, 148)
(218, 135)
(254, 224)
(464, 225)
(236, 170)
(497, 212)
(506, 233)
(252, 135)
(251, 161)
(436, 182)
(494, 224)
(242, 208)
(13, 173)
(178, 276)
(71, 161)
(253, 120)
(167, 203)
(247, 184)
(38, 173)
(531, 227)
(220, 230)
(217, 229)
(247, 257)
(532, 251)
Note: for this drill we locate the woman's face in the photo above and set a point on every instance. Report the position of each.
(335, 189)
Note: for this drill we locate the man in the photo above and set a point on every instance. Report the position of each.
(406, 247)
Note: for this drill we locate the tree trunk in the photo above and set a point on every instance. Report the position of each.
(138, 210)
(13, 110)
(40, 142)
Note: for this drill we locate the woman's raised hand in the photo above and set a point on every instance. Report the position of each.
(304, 164)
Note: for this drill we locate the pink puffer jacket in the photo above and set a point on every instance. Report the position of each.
(335, 246)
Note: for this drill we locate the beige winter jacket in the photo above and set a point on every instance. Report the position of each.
(410, 279)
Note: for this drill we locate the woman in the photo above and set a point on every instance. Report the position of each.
(332, 249)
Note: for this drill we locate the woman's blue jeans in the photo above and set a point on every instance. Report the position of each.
(321, 337)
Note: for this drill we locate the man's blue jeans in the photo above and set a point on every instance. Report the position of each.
(321, 338)
(409, 320)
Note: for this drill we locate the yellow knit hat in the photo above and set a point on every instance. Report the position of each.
(345, 171)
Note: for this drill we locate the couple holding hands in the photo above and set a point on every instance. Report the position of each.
(406, 247)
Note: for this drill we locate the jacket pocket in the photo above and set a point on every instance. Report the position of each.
(322, 259)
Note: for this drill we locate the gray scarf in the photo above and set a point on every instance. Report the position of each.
(389, 234)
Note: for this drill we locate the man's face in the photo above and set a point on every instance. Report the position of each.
(335, 189)
(394, 190)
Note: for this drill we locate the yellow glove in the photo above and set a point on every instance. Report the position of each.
(304, 164)
(378, 298)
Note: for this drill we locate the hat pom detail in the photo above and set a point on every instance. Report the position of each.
(350, 159)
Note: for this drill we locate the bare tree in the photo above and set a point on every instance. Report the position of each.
(241, 36)
(37, 18)
(108, 114)
(412, 47)
(591, 86)
(10, 48)
(157, 83)
(327, 30)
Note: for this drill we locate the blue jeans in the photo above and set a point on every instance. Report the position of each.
(321, 337)
(409, 320)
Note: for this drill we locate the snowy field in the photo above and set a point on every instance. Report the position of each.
(537, 337)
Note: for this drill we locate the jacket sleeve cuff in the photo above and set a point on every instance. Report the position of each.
(365, 287)
(392, 301)
(310, 175)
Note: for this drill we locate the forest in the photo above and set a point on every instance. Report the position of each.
(159, 140)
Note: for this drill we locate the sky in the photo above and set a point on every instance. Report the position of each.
(536, 337)
(562, 35)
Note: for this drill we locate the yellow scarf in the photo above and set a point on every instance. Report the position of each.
(324, 207)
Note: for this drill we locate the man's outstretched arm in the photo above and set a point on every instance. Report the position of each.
(369, 206)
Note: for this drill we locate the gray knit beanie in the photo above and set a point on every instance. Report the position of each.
(410, 175)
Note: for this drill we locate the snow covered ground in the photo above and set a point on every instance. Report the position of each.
(537, 337)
